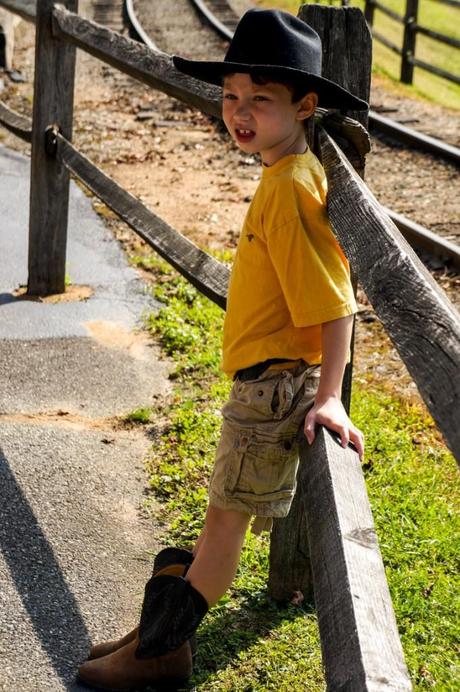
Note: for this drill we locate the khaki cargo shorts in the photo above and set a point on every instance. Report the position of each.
(257, 456)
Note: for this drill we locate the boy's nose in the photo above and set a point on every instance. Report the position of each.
(242, 110)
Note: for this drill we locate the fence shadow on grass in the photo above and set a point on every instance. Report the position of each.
(39, 581)
(230, 632)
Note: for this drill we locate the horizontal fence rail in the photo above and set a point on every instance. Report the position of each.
(411, 29)
(158, 71)
(27, 9)
(417, 315)
(150, 67)
(360, 643)
(18, 124)
(208, 275)
(354, 606)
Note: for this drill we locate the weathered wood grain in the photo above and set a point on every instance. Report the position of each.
(289, 576)
(346, 60)
(18, 124)
(203, 271)
(347, 49)
(417, 315)
(152, 68)
(359, 637)
(49, 183)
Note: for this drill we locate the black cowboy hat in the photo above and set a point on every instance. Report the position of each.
(281, 46)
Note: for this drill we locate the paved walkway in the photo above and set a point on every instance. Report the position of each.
(73, 541)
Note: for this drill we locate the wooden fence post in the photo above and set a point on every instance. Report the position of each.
(369, 10)
(347, 59)
(49, 184)
(410, 36)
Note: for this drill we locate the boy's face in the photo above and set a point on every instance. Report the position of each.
(262, 118)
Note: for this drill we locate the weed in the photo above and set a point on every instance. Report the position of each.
(139, 415)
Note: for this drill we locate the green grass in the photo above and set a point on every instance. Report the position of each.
(139, 415)
(433, 15)
(247, 643)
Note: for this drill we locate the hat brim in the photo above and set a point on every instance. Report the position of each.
(330, 94)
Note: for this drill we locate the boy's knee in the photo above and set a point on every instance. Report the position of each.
(226, 520)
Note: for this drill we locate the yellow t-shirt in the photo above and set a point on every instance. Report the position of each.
(289, 274)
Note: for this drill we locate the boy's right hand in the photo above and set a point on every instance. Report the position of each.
(331, 413)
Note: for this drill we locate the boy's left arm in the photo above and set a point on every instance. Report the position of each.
(328, 409)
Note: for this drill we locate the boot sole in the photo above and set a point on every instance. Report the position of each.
(192, 640)
(163, 685)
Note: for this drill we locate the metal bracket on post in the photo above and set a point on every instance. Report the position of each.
(51, 133)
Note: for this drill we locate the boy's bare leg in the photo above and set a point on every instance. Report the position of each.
(218, 552)
(199, 541)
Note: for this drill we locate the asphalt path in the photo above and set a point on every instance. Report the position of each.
(74, 542)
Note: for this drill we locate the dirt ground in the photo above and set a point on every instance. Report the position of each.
(183, 166)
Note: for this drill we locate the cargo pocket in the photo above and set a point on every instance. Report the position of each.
(266, 468)
(257, 396)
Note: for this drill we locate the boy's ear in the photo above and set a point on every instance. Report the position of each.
(307, 105)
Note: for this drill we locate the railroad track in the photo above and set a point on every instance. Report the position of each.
(220, 16)
(109, 13)
(222, 19)
(137, 27)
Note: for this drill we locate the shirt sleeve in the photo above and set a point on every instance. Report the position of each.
(311, 267)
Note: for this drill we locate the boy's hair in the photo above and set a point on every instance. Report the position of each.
(298, 90)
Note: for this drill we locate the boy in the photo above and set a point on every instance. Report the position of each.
(290, 308)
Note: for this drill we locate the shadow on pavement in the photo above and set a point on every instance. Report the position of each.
(47, 598)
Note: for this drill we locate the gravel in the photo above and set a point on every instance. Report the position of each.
(418, 185)
(177, 29)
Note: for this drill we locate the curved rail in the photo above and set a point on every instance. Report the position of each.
(387, 126)
(414, 138)
(138, 28)
(219, 15)
(414, 233)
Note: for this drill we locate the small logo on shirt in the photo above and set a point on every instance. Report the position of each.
(250, 236)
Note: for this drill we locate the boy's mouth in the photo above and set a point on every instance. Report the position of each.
(244, 135)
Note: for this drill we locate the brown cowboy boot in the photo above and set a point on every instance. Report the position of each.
(160, 655)
(122, 671)
(173, 561)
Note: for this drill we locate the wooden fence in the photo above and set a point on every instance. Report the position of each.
(411, 29)
(360, 643)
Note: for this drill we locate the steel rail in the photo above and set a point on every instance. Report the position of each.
(415, 234)
(414, 138)
(206, 13)
(423, 239)
(138, 28)
(387, 126)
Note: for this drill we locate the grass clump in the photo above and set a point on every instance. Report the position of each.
(139, 415)
(248, 643)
